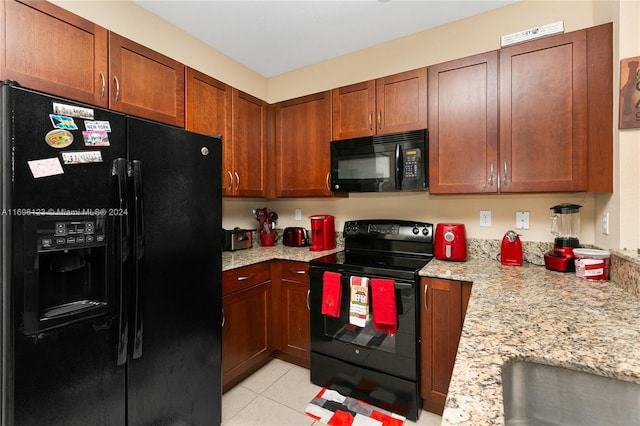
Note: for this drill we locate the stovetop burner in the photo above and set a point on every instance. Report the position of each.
(394, 248)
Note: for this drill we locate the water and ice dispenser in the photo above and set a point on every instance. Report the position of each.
(66, 271)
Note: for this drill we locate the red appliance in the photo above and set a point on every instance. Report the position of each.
(511, 249)
(450, 242)
(565, 226)
(323, 232)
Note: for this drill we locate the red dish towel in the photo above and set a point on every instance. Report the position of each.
(331, 294)
(384, 305)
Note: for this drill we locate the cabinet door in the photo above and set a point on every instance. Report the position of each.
(209, 112)
(441, 318)
(145, 83)
(401, 101)
(295, 338)
(463, 125)
(49, 49)
(303, 139)
(248, 148)
(543, 115)
(353, 110)
(246, 333)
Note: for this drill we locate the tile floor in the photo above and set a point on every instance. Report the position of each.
(277, 395)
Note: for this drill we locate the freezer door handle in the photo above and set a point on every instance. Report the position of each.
(139, 238)
(121, 254)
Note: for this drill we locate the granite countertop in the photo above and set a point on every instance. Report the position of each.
(531, 313)
(257, 254)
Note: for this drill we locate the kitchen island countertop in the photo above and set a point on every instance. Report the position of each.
(531, 313)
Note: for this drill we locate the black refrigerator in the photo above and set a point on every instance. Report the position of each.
(111, 267)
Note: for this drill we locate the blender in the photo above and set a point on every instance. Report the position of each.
(565, 225)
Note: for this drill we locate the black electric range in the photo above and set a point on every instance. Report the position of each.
(360, 361)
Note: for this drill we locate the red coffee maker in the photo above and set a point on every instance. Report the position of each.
(323, 232)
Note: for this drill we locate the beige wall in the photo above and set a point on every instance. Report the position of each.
(459, 39)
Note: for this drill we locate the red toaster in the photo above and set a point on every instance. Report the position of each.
(450, 242)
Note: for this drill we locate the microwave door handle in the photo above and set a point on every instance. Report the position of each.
(398, 167)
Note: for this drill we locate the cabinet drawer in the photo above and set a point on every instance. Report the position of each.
(241, 278)
(295, 271)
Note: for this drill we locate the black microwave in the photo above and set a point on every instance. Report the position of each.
(380, 163)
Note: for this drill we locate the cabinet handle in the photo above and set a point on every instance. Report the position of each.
(328, 181)
(115, 100)
(247, 277)
(237, 180)
(379, 119)
(491, 174)
(230, 180)
(222, 318)
(506, 180)
(299, 272)
(308, 293)
(370, 120)
(426, 302)
(103, 85)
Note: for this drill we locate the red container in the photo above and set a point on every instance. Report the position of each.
(450, 242)
(592, 264)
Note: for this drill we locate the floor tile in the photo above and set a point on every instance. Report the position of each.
(263, 411)
(235, 400)
(277, 395)
(266, 376)
(426, 419)
(294, 389)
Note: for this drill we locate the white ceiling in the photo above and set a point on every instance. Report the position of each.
(273, 37)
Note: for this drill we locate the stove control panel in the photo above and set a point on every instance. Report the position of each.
(401, 230)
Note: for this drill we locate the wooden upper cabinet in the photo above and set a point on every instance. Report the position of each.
(208, 111)
(463, 125)
(49, 49)
(144, 82)
(208, 105)
(389, 104)
(401, 101)
(303, 136)
(543, 115)
(245, 157)
(353, 110)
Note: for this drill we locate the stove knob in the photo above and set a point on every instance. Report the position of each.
(416, 231)
(425, 231)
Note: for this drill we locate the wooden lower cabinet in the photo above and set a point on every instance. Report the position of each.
(443, 307)
(246, 327)
(293, 330)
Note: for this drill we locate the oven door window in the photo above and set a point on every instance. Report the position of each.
(343, 330)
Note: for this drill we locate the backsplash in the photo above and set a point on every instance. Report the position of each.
(624, 265)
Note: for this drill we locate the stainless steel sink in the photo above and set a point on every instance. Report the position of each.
(539, 394)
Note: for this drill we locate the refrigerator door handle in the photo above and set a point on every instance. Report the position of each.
(121, 253)
(139, 242)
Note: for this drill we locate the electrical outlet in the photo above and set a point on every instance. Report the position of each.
(605, 224)
(298, 214)
(522, 220)
(485, 217)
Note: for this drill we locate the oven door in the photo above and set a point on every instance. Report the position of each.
(366, 347)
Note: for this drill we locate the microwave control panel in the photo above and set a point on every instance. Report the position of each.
(412, 160)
